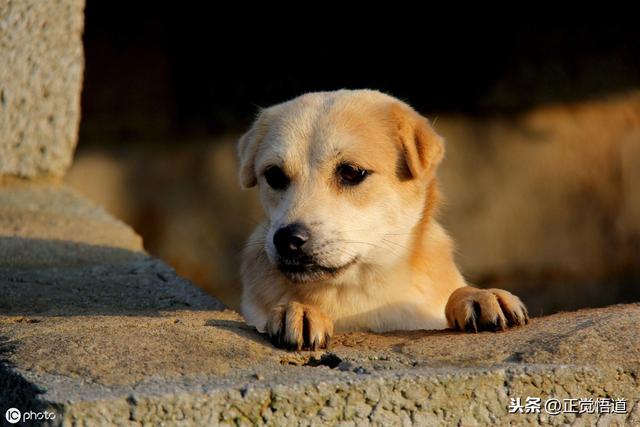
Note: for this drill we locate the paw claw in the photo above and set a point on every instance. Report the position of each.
(327, 341)
(470, 325)
(297, 327)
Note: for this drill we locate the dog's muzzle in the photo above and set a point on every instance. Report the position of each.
(294, 261)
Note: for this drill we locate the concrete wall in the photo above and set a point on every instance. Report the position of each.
(40, 82)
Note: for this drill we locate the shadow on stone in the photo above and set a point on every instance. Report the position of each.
(241, 329)
(15, 391)
(64, 278)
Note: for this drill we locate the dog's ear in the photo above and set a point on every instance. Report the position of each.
(247, 150)
(422, 148)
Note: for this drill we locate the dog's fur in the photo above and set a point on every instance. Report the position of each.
(384, 262)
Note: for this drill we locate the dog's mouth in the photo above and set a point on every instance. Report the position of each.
(302, 271)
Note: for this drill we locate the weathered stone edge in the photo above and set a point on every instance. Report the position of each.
(424, 397)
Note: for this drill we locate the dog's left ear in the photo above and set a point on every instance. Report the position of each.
(248, 149)
(422, 148)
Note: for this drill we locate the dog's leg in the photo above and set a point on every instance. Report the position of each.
(296, 326)
(472, 310)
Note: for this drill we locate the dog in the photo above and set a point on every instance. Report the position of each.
(347, 180)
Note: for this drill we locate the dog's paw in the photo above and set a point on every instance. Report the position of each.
(296, 326)
(472, 310)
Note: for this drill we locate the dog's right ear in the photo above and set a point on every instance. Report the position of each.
(247, 150)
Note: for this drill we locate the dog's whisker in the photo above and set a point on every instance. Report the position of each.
(386, 247)
(347, 253)
(395, 243)
(369, 229)
(394, 250)
(361, 243)
(253, 245)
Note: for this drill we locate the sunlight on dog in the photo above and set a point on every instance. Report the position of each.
(347, 180)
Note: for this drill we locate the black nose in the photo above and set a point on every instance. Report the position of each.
(290, 239)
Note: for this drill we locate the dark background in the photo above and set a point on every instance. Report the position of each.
(155, 71)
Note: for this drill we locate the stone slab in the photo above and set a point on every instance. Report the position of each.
(119, 339)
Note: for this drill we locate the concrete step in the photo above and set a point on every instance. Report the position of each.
(96, 332)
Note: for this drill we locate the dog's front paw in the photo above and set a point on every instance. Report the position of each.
(474, 310)
(296, 326)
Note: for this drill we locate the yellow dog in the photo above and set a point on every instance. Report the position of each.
(350, 242)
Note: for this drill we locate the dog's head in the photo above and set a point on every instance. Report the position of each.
(342, 178)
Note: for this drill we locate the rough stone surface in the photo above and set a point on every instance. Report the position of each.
(118, 338)
(48, 224)
(60, 254)
(199, 367)
(40, 82)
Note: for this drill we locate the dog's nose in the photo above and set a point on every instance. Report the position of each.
(290, 239)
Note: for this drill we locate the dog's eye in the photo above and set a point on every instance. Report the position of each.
(276, 178)
(351, 175)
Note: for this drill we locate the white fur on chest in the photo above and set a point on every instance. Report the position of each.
(380, 305)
